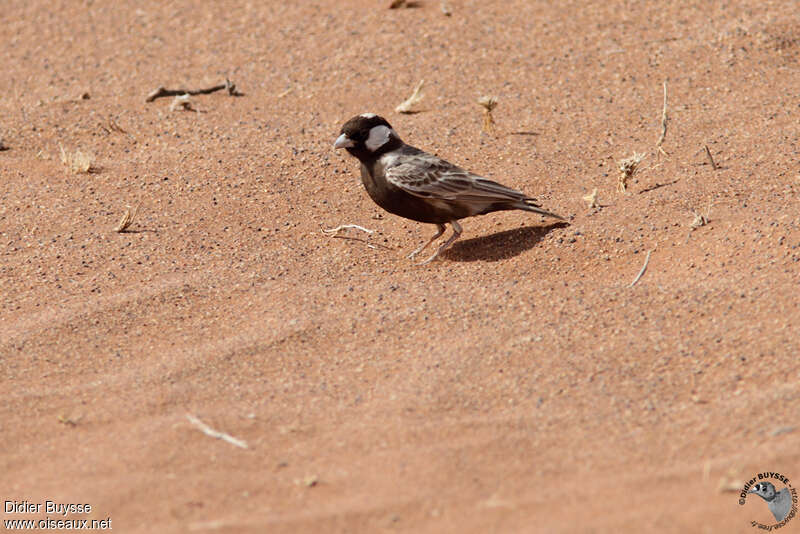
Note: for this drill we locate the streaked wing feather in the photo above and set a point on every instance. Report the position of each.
(430, 177)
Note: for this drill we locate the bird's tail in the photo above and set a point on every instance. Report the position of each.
(529, 204)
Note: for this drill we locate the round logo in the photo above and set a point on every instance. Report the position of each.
(775, 490)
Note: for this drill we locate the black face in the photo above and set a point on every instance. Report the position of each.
(357, 129)
(355, 137)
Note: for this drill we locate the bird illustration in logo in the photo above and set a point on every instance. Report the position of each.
(779, 503)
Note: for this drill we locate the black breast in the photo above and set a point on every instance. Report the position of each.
(395, 200)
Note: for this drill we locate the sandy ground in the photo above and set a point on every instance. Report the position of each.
(520, 384)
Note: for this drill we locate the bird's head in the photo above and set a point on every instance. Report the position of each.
(367, 136)
(764, 489)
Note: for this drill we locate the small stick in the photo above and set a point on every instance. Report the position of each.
(208, 431)
(344, 226)
(334, 232)
(644, 268)
(710, 159)
(161, 91)
(663, 122)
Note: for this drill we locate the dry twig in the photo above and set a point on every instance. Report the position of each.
(334, 232)
(663, 123)
(407, 106)
(710, 158)
(395, 4)
(208, 431)
(644, 268)
(345, 226)
(229, 86)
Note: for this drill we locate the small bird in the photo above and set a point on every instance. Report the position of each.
(779, 503)
(422, 187)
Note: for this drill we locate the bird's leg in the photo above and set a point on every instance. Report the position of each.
(456, 235)
(439, 232)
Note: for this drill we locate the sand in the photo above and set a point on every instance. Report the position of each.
(519, 384)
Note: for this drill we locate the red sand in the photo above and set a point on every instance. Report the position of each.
(519, 384)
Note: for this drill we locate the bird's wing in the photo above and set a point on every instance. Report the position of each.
(427, 176)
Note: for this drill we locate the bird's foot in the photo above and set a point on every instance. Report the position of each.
(415, 252)
(433, 257)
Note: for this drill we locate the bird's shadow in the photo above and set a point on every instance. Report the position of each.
(500, 245)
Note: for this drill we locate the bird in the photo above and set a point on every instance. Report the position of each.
(779, 503)
(411, 183)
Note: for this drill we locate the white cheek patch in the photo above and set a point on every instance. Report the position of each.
(378, 136)
(368, 115)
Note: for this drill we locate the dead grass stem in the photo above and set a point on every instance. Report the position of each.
(77, 162)
(127, 219)
(408, 105)
(488, 103)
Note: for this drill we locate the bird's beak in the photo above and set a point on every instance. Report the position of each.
(343, 142)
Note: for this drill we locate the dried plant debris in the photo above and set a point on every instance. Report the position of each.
(69, 420)
(229, 87)
(731, 481)
(336, 232)
(643, 269)
(208, 431)
(77, 162)
(114, 126)
(710, 158)
(701, 219)
(397, 4)
(408, 106)
(663, 123)
(181, 103)
(488, 103)
(627, 168)
(445, 7)
(308, 481)
(127, 219)
(591, 199)
(2, 144)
